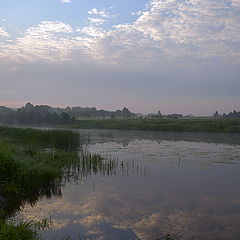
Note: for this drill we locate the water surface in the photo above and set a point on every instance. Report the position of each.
(152, 184)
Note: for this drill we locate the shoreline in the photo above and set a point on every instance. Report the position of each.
(176, 125)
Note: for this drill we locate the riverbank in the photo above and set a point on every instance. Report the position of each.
(177, 125)
(32, 164)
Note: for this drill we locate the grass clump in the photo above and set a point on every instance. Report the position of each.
(24, 230)
(19, 232)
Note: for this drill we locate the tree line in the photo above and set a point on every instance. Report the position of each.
(232, 115)
(44, 114)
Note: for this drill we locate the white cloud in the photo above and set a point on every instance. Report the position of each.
(49, 27)
(66, 1)
(199, 29)
(92, 31)
(97, 21)
(3, 33)
(48, 40)
(167, 30)
(100, 13)
(100, 16)
(138, 13)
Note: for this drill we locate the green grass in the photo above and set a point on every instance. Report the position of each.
(21, 231)
(40, 138)
(31, 159)
(180, 125)
(32, 164)
(24, 230)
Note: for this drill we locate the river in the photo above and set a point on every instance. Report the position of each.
(152, 184)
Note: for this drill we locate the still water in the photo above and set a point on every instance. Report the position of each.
(155, 184)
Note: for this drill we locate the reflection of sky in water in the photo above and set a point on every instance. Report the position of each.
(190, 189)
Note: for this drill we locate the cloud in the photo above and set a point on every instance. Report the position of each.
(48, 27)
(3, 33)
(100, 13)
(199, 29)
(47, 41)
(66, 1)
(138, 13)
(97, 21)
(165, 31)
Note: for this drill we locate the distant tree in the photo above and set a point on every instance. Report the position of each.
(159, 114)
(216, 115)
(65, 118)
(174, 116)
(232, 115)
(28, 107)
(44, 114)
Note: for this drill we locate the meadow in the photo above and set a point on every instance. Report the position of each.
(176, 125)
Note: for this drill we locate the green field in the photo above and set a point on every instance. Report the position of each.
(180, 125)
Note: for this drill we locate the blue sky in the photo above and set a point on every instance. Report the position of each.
(23, 14)
(169, 55)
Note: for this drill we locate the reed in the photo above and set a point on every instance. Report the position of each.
(32, 163)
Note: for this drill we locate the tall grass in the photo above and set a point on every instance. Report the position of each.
(32, 163)
(24, 230)
(42, 138)
(31, 159)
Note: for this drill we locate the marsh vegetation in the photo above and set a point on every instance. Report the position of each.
(35, 164)
(118, 185)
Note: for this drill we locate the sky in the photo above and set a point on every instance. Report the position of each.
(176, 56)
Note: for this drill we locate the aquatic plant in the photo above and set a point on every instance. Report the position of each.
(23, 230)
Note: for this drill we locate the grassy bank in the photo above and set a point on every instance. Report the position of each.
(189, 125)
(31, 158)
(32, 164)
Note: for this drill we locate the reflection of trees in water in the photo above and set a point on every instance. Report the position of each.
(125, 137)
(16, 203)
